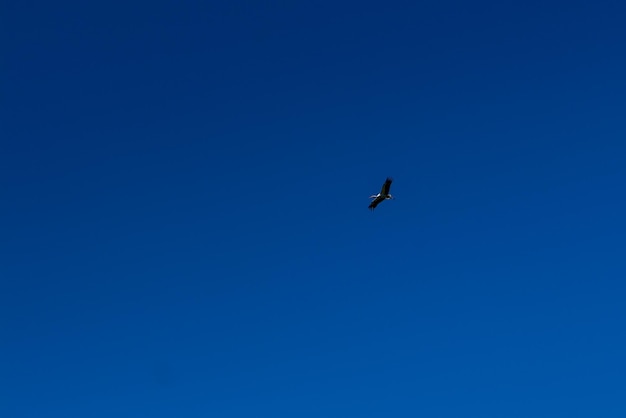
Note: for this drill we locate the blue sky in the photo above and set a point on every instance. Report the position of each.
(185, 228)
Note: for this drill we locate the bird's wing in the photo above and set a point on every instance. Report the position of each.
(386, 186)
(375, 202)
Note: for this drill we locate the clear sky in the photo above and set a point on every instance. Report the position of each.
(184, 228)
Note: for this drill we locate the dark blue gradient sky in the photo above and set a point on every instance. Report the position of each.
(184, 222)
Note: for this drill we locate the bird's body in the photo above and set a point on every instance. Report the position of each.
(383, 195)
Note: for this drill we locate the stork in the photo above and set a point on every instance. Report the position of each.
(383, 195)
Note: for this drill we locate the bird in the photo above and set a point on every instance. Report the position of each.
(383, 195)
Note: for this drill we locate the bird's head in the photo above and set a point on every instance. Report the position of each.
(390, 197)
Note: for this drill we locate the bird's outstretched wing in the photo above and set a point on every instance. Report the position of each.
(375, 202)
(385, 190)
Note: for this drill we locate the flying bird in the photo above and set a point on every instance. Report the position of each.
(383, 195)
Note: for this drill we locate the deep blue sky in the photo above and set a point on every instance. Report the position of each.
(184, 224)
